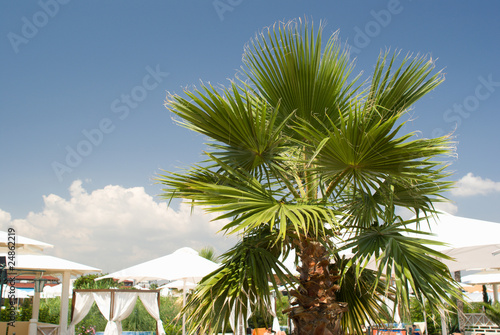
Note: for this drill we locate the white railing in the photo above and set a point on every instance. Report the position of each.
(47, 329)
(477, 319)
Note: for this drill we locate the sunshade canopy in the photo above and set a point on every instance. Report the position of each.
(460, 232)
(185, 263)
(476, 257)
(22, 244)
(48, 265)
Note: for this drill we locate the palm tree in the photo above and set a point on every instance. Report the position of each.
(208, 253)
(307, 158)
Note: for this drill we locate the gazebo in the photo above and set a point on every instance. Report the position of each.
(29, 262)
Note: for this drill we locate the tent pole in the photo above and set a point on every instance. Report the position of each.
(495, 292)
(460, 306)
(33, 323)
(158, 302)
(183, 305)
(63, 317)
(444, 330)
(425, 315)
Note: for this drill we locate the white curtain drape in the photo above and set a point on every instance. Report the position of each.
(103, 301)
(83, 303)
(276, 323)
(150, 302)
(235, 324)
(123, 305)
(115, 307)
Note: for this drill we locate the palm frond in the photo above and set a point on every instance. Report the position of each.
(249, 272)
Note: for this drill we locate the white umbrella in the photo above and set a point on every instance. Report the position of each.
(184, 264)
(49, 264)
(482, 278)
(15, 293)
(179, 284)
(460, 232)
(476, 257)
(56, 290)
(10, 240)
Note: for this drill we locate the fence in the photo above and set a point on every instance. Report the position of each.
(479, 324)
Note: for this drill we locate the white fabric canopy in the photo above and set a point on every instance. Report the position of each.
(460, 232)
(10, 291)
(179, 284)
(22, 244)
(482, 278)
(115, 306)
(56, 290)
(476, 257)
(185, 264)
(50, 264)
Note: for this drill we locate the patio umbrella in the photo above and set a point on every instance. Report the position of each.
(179, 284)
(10, 240)
(477, 257)
(459, 232)
(184, 264)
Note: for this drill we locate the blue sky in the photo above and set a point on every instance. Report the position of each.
(82, 121)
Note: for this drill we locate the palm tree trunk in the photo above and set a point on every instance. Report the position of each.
(316, 310)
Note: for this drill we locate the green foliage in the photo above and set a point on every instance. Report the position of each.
(85, 330)
(260, 319)
(50, 310)
(93, 319)
(492, 312)
(208, 253)
(282, 303)
(86, 282)
(26, 311)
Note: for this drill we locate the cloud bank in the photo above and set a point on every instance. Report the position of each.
(471, 185)
(116, 227)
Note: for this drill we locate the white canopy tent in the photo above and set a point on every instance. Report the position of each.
(478, 257)
(22, 245)
(474, 244)
(43, 264)
(56, 290)
(460, 232)
(16, 293)
(184, 264)
(115, 305)
(485, 278)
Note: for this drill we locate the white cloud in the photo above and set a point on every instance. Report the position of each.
(470, 185)
(4, 218)
(115, 227)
